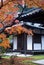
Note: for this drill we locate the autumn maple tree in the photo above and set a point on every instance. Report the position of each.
(4, 42)
(18, 30)
(7, 18)
(35, 3)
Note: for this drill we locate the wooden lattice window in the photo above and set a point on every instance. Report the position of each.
(37, 38)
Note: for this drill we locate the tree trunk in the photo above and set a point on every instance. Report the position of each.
(1, 4)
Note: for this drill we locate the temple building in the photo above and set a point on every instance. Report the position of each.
(30, 18)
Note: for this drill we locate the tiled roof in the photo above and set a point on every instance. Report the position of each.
(30, 11)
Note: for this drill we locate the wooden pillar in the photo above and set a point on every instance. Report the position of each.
(25, 43)
(32, 44)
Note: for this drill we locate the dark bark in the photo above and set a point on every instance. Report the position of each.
(1, 4)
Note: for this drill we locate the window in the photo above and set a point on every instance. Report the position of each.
(37, 38)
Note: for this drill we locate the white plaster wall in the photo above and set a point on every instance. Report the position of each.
(37, 46)
(42, 39)
(29, 42)
(15, 43)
